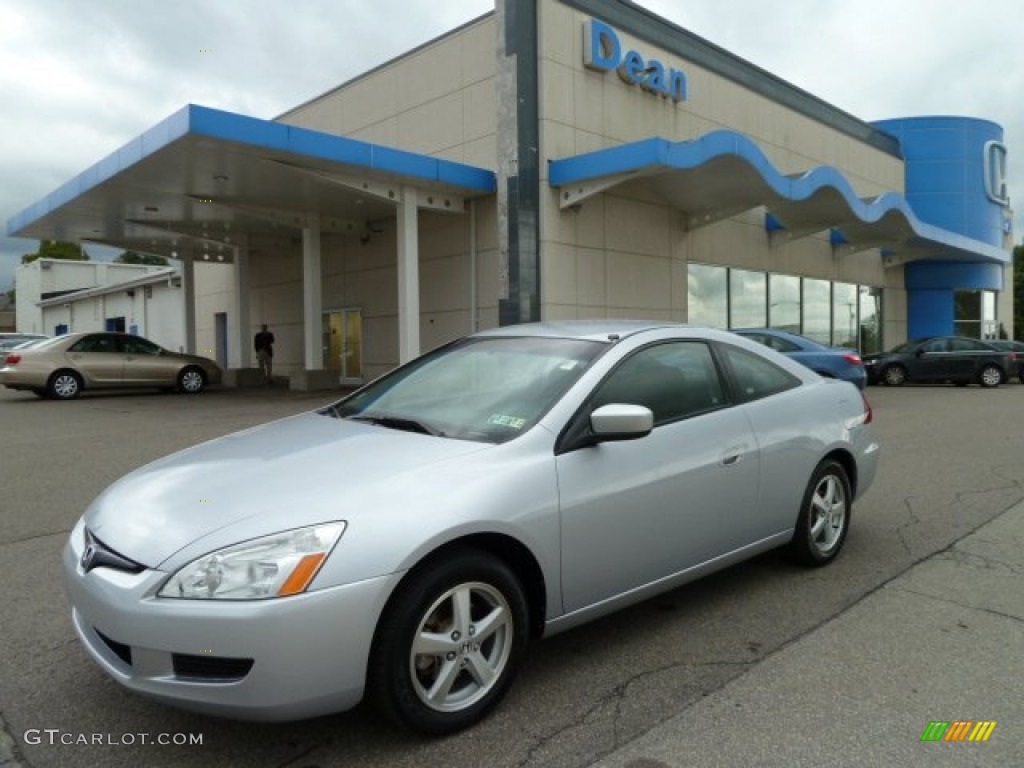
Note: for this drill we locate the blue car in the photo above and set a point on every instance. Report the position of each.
(832, 362)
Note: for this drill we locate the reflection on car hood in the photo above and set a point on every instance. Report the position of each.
(156, 510)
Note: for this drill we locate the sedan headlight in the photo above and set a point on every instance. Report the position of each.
(272, 566)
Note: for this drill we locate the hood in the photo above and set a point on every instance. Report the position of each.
(289, 465)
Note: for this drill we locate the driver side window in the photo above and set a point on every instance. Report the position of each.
(675, 380)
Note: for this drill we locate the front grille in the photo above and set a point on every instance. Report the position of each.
(211, 668)
(122, 651)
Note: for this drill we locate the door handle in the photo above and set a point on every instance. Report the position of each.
(732, 456)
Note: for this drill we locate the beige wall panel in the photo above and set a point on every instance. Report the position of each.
(589, 142)
(429, 74)
(444, 284)
(555, 312)
(383, 132)
(437, 328)
(588, 101)
(486, 223)
(479, 110)
(590, 223)
(487, 282)
(557, 141)
(375, 290)
(443, 234)
(558, 274)
(561, 35)
(483, 153)
(591, 277)
(432, 126)
(894, 313)
(636, 226)
(380, 343)
(479, 60)
(556, 92)
(558, 225)
(487, 318)
(367, 101)
(635, 280)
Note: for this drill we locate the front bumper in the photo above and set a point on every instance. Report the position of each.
(308, 653)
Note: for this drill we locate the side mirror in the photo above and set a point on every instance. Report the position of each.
(618, 421)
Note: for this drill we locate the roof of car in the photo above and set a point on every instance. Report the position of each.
(591, 330)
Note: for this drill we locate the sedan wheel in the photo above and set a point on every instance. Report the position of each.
(990, 376)
(894, 376)
(191, 380)
(64, 385)
(449, 644)
(824, 517)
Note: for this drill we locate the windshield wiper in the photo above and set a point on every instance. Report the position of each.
(396, 422)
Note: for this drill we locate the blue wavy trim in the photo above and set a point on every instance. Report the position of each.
(656, 153)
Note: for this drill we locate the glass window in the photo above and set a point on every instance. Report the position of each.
(844, 315)
(967, 314)
(138, 346)
(675, 380)
(936, 346)
(870, 320)
(707, 295)
(784, 302)
(817, 311)
(97, 343)
(748, 299)
(756, 377)
(488, 389)
(989, 327)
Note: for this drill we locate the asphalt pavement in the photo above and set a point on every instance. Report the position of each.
(763, 664)
(924, 671)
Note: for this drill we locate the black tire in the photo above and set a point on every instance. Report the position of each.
(399, 680)
(40, 392)
(64, 385)
(894, 375)
(990, 376)
(191, 380)
(821, 527)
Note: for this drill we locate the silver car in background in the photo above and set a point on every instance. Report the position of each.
(407, 542)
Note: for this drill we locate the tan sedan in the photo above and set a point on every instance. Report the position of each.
(63, 366)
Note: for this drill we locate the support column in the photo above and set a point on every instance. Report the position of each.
(241, 346)
(188, 290)
(312, 300)
(408, 277)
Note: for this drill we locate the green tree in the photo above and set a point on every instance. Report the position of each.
(1018, 292)
(56, 249)
(131, 257)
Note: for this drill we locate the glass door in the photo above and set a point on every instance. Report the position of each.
(343, 344)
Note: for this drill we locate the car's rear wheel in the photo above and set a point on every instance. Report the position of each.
(191, 380)
(824, 515)
(64, 385)
(990, 376)
(449, 643)
(894, 375)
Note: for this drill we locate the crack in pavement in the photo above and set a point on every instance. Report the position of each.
(913, 520)
(965, 606)
(617, 694)
(985, 562)
(35, 536)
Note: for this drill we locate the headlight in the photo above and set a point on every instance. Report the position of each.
(273, 566)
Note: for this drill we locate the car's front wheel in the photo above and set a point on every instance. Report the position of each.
(990, 376)
(449, 643)
(824, 516)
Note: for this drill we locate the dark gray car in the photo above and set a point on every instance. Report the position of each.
(941, 359)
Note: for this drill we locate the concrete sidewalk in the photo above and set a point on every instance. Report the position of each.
(942, 642)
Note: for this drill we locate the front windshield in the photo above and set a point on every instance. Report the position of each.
(490, 389)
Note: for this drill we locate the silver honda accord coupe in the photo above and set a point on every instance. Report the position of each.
(406, 543)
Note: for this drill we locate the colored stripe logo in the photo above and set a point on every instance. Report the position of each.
(958, 730)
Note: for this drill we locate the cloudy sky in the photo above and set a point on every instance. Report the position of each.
(78, 80)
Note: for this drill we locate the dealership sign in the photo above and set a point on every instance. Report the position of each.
(602, 51)
(995, 173)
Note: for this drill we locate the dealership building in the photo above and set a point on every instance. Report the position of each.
(552, 160)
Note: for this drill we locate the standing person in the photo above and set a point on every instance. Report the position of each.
(263, 342)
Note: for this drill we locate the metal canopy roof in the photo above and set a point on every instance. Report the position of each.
(206, 177)
(724, 173)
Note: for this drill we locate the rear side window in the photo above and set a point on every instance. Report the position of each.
(754, 376)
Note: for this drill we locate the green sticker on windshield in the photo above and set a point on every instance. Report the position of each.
(501, 420)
